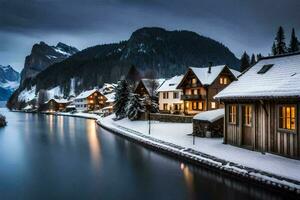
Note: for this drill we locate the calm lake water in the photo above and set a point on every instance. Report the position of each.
(47, 157)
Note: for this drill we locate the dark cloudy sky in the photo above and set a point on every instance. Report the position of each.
(239, 24)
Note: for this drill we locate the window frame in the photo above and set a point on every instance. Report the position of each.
(244, 116)
(175, 95)
(232, 115)
(279, 106)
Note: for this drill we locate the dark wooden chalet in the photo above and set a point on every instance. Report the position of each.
(262, 108)
(200, 85)
(54, 105)
(148, 87)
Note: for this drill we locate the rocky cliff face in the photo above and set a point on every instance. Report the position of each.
(42, 55)
(9, 81)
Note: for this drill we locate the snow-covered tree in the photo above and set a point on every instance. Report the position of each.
(121, 99)
(294, 43)
(135, 106)
(280, 43)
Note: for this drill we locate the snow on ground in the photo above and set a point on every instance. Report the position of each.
(54, 92)
(27, 95)
(177, 133)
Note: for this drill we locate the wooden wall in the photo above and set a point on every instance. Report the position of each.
(267, 137)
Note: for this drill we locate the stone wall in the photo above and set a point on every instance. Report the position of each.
(168, 118)
(208, 129)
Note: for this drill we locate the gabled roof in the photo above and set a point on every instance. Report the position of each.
(280, 80)
(206, 78)
(170, 84)
(148, 84)
(85, 94)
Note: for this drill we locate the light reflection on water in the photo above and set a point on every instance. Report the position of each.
(94, 143)
(51, 157)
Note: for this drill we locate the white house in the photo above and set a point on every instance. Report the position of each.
(169, 97)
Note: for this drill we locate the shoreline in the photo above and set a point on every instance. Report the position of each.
(237, 171)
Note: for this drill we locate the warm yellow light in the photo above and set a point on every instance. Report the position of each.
(91, 101)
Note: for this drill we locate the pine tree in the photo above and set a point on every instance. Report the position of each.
(253, 60)
(133, 75)
(121, 99)
(258, 56)
(245, 61)
(135, 106)
(294, 43)
(280, 43)
(274, 50)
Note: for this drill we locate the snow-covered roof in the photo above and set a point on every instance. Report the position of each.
(279, 78)
(59, 100)
(85, 94)
(28, 107)
(170, 84)
(148, 84)
(210, 116)
(110, 97)
(207, 78)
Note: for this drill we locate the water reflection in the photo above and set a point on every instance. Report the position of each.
(189, 180)
(94, 143)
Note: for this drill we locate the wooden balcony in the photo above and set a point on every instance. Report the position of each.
(187, 97)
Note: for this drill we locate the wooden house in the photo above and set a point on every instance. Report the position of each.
(200, 85)
(90, 100)
(54, 105)
(148, 87)
(262, 108)
(169, 96)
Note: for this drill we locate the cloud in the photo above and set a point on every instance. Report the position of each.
(241, 25)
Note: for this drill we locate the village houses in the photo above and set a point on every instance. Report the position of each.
(200, 85)
(262, 108)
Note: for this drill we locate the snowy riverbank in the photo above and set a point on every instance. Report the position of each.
(174, 137)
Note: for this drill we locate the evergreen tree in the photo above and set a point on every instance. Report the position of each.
(258, 56)
(133, 75)
(274, 50)
(280, 43)
(294, 43)
(135, 106)
(121, 99)
(245, 61)
(253, 60)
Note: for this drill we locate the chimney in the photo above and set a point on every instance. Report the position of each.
(209, 66)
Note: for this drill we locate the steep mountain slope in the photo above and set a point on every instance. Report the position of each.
(42, 55)
(9, 81)
(166, 52)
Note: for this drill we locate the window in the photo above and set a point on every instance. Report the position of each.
(165, 95)
(265, 68)
(194, 80)
(223, 81)
(200, 105)
(165, 105)
(287, 117)
(213, 105)
(194, 105)
(175, 95)
(194, 92)
(247, 112)
(232, 114)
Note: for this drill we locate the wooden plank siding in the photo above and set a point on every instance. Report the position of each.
(266, 135)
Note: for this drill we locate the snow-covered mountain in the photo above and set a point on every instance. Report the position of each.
(9, 81)
(42, 56)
